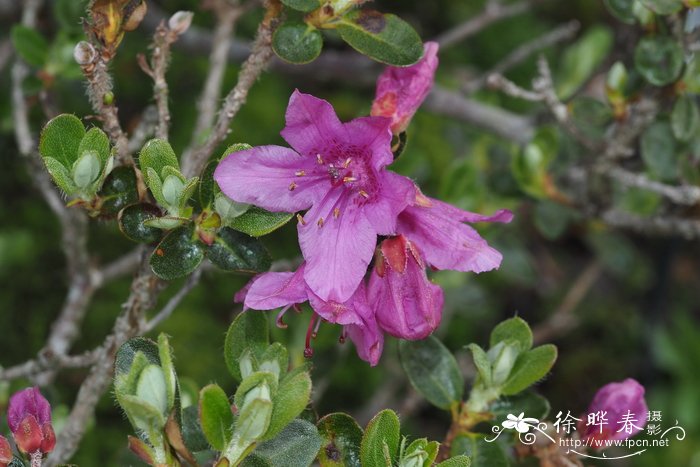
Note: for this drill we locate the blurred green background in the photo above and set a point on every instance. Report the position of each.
(638, 318)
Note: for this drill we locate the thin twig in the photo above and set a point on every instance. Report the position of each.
(688, 195)
(523, 52)
(173, 303)
(252, 68)
(655, 225)
(46, 362)
(495, 11)
(563, 319)
(208, 102)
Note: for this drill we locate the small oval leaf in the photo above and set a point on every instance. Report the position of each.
(215, 416)
(248, 331)
(132, 222)
(342, 437)
(380, 443)
(257, 222)
(659, 60)
(61, 138)
(119, 190)
(297, 43)
(235, 251)
(177, 255)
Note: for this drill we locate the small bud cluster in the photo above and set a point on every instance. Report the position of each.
(29, 419)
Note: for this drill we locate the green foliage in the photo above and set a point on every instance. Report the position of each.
(302, 5)
(257, 222)
(297, 444)
(529, 368)
(582, 59)
(60, 139)
(530, 166)
(380, 443)
(248, 331)
(685, 118)
(297, 42)
(481, 452)
(234, 251)
(622, 10)
(177, 255)
(119, 190)
(663, 7)
(30, 45)
(658, 150)
(132, 222)
(527, 402)
(342, 437)
(433, 371)
(659, 60)
(215, 416)
(382, 37)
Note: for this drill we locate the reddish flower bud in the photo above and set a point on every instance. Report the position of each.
(407, 304)
(5, 452)
(618, 411)
(29, 419)
(401, 90)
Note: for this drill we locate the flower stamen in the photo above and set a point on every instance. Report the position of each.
(301, 219)
(319, 159)
(300, 173)
(320, 222)
(336, 213)
(292, 186)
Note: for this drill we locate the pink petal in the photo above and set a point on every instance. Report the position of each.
(26, 402)
(395, 193)
(334, 312)
(277, 289)
(337, 249)
(374, 134)
(270, 177)
(367, 337)
(312, 125)
(447, 243)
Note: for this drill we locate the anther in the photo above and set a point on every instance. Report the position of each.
(349, 179)
(320, 222)
(336, 213)
(364, 194)
(300, 173)
(292, 186)
(301, 219)
(319, 159)
(347, 162)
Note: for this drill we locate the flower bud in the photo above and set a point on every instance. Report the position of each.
(5, 452)
(407, 304)
(618, 411)
(254, 419)
(84, 53)
(172, 190)
(227, 208)
(29, 419)
(86, 169)
(401, 90)
(502, 357)
(180, 22)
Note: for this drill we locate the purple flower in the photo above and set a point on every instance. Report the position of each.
(439, 232)
(286, 289)
(29, 419)
(401, 90)
(337, 172)
(618, 411)
(5, 452)
(407, 304)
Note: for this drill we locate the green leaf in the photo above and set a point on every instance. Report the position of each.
(248, 331)
(658, 150)
(157, 154)
(207, 188)
(257, 222)
(382, 37)
(235, 251)
(622, 10)
(128, 351)
(132, 222)
(61, 138)
(433, 371)
(297, 43)
(513, 329)
(177, 255)
(663, 7)
(68, 13)
(582, 59)
(95, 140)
(126, 383)
(342, 437)
(529, 368)
(691, 77)
(275, 360)
(482, 363)
(381, 438)
(530, 165)
(166, 363)
(481, 452)
(457, 461)
(142, 415)
(659, 60)
(289, 402)
(685, 118)
(86, 170)
(119, 190)
(151, 388)
(590, 116)
(254, 382)
(302, 5)
(296, 445)
(527, 402)
(552, 219)
(30, 45)
(61, 176)
(215, 416)
(192, 430)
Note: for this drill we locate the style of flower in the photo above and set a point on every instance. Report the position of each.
(439, 232)
(29, 419)
(520, 423)
(625, 409)
(337, 172)
(407, 304)
(401, 90)
(273, 290)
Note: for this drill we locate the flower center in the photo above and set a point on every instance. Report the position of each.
(349, 167)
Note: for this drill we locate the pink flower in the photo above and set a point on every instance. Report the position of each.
(286, 289)
(439, 232)
(618, 411)
(407, 304)
(5, 452)
(400, 91)
(29, 419)
(337, 172)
